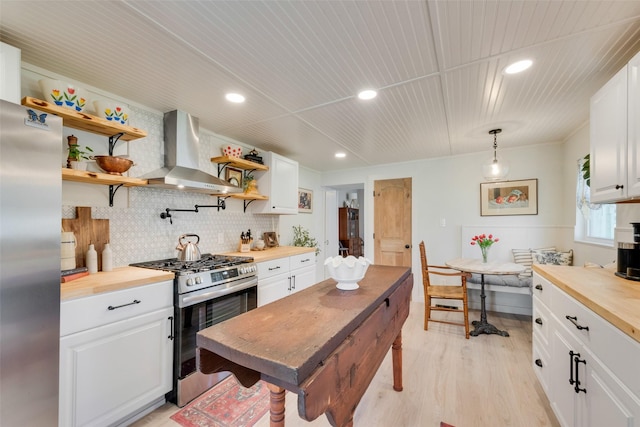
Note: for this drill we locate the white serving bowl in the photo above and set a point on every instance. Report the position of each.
(347, 271)
(112, 111)
(64, 94)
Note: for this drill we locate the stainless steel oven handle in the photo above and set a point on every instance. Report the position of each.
(198, 297)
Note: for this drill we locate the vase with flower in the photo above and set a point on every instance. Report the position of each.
(484, 242)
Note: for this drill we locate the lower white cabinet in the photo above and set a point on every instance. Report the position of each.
(281, 277)
(110, 370)
(303, 271)
(587, 367)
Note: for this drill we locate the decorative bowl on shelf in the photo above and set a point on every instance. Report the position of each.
(232, 151)
(347, 271)
(112, 164)
(112, 111)
(64, 94)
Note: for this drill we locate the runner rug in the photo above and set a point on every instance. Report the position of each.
(228, 404)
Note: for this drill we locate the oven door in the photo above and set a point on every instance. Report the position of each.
(190, 319)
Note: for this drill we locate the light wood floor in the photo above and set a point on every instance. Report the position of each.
(485, 381)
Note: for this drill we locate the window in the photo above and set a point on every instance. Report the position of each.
(595, 223)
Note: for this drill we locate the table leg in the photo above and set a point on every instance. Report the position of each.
(482, 326)
(396, 356)
(276, 409)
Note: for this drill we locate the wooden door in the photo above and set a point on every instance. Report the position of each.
(392, 222)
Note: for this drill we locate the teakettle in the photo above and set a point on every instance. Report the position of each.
(188, 251)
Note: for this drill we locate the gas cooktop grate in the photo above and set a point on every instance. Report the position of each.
(207, 262)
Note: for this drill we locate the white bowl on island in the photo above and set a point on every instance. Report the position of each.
(347, 271)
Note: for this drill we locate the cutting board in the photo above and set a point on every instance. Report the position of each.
(87, 230)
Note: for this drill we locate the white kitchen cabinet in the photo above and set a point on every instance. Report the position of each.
(281, 277)
(615, 137)
(273, 280)
(10, 71)
(116, 354)
(303, 271)
(572, 343)
(280, 185)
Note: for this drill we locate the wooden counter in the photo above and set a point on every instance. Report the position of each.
(323, 343)
(273, 253)
(119, 278)
(615, 299)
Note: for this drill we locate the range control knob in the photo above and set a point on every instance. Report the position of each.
(198, 280)
(190, 282)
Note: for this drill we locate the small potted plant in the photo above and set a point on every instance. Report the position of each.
(302, 237)
(77, 154)
(249, 184)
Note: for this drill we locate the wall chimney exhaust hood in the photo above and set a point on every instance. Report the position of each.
(181, 152)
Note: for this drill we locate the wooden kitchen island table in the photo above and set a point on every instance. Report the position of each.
(322, 343)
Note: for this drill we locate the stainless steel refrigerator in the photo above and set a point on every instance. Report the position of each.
(30, 219)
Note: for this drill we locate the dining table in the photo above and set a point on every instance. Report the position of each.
(473, 265)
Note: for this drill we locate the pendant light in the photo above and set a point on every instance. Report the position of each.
(495, 168)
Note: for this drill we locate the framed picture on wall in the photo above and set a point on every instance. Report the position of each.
(305, 200)
(509, 198)
(270, 239)
(233, 176)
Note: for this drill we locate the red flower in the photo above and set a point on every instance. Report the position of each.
(71, 90)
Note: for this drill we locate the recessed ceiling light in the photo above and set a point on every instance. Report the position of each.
(367, 94)
(340, 155)
(235, 98)
(518, 67)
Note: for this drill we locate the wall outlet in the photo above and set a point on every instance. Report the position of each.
(220, 238)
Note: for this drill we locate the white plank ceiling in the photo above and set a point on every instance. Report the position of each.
(437, 66)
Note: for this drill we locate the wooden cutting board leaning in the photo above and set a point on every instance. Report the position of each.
(87, 230)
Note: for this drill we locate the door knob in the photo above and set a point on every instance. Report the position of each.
(407, 246)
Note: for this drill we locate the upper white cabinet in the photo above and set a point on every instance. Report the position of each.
(280, 185)
(615, 137)
(10, 72)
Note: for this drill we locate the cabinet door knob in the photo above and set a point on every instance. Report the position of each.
(407, 246)
(539, 362)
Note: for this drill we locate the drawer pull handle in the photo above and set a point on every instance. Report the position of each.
(171, 330)
(111, 307)
(274, 268)
(305, 260)
(574, 320)
(539, 362)
(539, 287)
(539, 321)
(576, 359)
(619, 187)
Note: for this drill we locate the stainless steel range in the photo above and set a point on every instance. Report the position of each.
(206, 292)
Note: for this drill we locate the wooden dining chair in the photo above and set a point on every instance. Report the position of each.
(446, 292)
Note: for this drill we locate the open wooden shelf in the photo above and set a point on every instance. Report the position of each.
(100, 178)
(249, 196)
(86, 122)
(237, 162)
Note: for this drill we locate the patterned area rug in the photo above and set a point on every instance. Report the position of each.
(228, 404)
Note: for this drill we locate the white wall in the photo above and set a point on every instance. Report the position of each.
(448, 188)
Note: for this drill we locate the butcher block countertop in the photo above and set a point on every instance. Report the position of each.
(118, 279)
(273, 253)
(615, 299)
